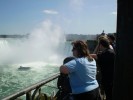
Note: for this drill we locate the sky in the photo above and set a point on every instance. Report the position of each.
(72, 16)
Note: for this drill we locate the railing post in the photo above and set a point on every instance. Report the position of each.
(28, 95)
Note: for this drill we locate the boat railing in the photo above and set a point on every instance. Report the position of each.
(31, 91)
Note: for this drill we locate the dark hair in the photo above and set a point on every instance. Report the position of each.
(82, 49)
(67, 59)
(104, 42)
(111, 36)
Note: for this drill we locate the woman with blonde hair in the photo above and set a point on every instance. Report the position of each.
(97, 47)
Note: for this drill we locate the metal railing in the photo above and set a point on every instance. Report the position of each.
(36, 88)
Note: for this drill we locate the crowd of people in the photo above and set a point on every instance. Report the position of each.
(82, 70)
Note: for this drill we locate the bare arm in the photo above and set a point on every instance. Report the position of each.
(64, 69)
(96, 49)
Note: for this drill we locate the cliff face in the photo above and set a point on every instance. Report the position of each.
(71, 37)
(91, 40)
(14, 36)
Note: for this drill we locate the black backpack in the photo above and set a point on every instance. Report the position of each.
(63, 84)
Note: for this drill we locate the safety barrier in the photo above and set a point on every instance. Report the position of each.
(31, 91)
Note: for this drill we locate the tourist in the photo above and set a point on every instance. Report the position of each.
(96, 50)
(82, 73)
(112, 40)
(105, 60)
(63, 84)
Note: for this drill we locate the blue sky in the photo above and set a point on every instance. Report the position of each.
(72, 16)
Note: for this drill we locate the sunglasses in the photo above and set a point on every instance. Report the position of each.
(73, 48)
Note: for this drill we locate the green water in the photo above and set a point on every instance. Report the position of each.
(12, 79)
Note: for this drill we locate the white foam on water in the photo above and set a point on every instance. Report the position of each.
(44, 44)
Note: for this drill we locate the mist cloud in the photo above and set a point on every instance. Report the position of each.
(43, 44)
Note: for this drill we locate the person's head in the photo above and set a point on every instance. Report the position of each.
(102, 37)
(67, 59)
(104, 43)
(80, 49)
(111, 37)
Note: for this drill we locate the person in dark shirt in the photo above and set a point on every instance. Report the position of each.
(63, 84)
(105, 60)
(112, 40)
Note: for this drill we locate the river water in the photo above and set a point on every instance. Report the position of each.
(43, 58)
